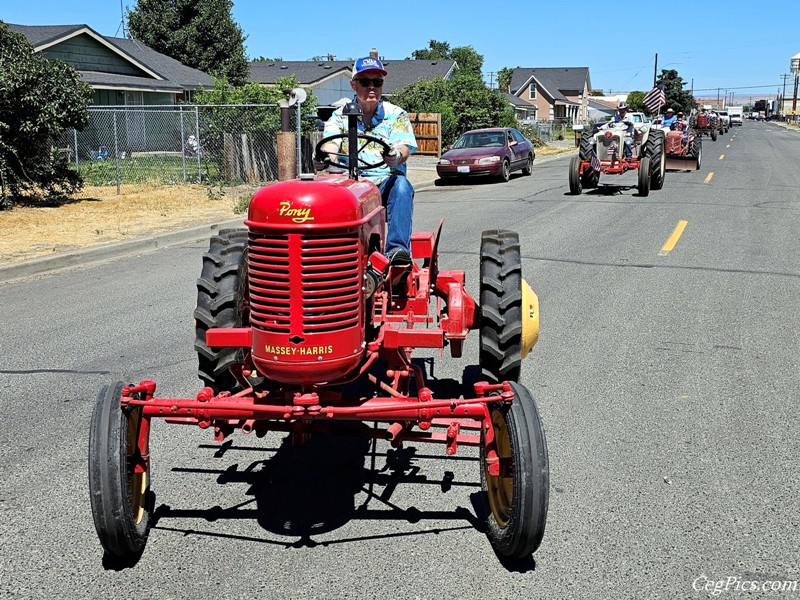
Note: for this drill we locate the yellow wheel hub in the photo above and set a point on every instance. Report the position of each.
(137, 482)
(500, 489)
(530, 318)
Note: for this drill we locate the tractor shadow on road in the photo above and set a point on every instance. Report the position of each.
(303, 491)
(609, 189)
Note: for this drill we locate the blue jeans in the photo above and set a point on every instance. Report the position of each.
(397, 194)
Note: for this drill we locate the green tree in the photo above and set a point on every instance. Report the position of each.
(677, 98)
(199, 33)
(469, 61)
(39, 101)
(504, 76)
(760, 106)
(464, 103)
(435, 51)
(635, 102)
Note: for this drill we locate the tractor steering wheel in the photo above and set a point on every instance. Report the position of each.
(325, 157)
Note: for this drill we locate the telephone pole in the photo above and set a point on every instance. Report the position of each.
(783, 95)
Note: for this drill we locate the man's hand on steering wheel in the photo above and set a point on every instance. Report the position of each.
(333, 159)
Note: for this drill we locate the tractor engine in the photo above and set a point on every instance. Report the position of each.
(674, 142)
(308, 251)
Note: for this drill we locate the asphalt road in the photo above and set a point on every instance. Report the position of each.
(667, 381)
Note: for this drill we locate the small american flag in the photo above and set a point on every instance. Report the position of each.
(595, 162)
(655, 98)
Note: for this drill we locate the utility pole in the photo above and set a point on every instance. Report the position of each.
(783, 95)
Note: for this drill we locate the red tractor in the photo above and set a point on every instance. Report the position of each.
(302, 302)
(705, 123)
(683, 149)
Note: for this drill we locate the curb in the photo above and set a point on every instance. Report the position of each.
(83, 257)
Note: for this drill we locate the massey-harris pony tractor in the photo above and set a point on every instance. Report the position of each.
(603, 152)
(302, 302)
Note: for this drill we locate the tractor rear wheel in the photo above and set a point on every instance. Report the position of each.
(575, 184)
(644, 176)
(654, 149)
(518, 497)
(221, 302)
(120, 497)
(500, 346)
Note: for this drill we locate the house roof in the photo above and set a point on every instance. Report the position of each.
(516, 100)
(167, 74)
(602, 105)
(308, 72)
(554, 81)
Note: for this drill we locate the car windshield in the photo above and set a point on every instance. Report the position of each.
(480, 140)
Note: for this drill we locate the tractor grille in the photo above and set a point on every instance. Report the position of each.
(303, 284)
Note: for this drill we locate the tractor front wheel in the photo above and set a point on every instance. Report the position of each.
(713, 135)
(500, 345)
(518, 497)
(119, 475)
(221, 302)
(575, 184)
(644, 176)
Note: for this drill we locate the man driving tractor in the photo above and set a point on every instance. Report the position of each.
(390, 123)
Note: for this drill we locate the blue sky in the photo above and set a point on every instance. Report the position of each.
(728, 45)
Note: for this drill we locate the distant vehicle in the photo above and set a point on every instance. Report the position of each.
(735, 113)
(494, 152)
(725, 118)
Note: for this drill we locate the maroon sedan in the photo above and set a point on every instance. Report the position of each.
(495, 152)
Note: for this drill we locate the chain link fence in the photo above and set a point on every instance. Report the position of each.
(231, 144)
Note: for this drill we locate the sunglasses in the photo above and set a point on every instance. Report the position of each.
(365, 82)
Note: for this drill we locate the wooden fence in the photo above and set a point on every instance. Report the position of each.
(428, 131)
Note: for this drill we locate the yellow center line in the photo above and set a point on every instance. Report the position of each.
(721, 156)
(673, 239)
(709, 176)
(728, 146)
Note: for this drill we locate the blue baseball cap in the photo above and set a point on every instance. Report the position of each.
(368, 63)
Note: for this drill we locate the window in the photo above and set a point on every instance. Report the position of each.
(532, 92)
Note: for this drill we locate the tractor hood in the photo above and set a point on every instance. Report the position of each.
(331, 200)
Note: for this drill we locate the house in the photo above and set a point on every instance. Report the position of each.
(523, 110)
(120, 71)
(600, 108)
(330, 80)
(555, 93)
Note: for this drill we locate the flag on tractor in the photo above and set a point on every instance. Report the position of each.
(594, 161)
(655, 98)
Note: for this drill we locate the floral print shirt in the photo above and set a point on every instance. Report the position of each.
(390, 123)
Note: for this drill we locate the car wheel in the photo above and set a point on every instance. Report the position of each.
(528, 168)
(505, 173)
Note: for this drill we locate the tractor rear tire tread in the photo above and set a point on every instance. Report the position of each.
(220, 291)
(500, 353)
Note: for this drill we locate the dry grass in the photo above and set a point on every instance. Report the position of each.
(99, 216)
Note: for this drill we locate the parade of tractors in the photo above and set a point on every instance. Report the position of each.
(302, 302)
